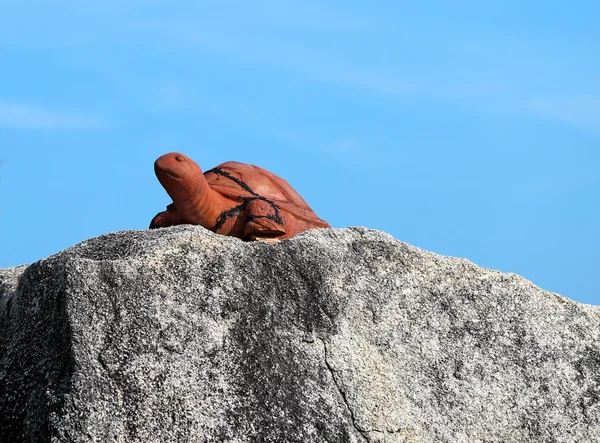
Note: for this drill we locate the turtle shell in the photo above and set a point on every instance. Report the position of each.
(239, 180)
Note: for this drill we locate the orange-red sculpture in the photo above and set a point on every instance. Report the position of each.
(234, 199)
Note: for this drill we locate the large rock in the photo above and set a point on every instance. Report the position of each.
(337, 335)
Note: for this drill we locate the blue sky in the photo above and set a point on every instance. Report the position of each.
(469, 129)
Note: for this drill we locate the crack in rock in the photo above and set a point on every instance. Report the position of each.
(332, 371)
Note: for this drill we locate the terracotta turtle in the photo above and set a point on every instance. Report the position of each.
(233, 198)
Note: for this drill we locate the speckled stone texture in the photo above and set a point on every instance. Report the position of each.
(336, 335)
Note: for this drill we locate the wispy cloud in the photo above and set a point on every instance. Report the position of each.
(502, 91)
(580, 111)
(313, 40)
(310, 63)
(26, 116)
(492, 95)
(302, 14)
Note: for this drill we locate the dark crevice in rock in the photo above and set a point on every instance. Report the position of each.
(363, 433)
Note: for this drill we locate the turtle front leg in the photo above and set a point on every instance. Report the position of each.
(264, 221)
(170, 217)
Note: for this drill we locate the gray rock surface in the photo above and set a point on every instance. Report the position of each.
(337, 335)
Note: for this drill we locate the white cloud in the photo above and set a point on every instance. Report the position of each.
(491, 93)
(580, 111)
(310, 63)
(25, 116)
(302, 14)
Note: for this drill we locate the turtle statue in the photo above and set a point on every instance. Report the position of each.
(233, 198)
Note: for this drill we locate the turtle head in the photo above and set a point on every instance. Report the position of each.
(174, 166)
(179, 175)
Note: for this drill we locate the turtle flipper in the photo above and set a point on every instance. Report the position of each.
(170, 217)
(264, 221)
